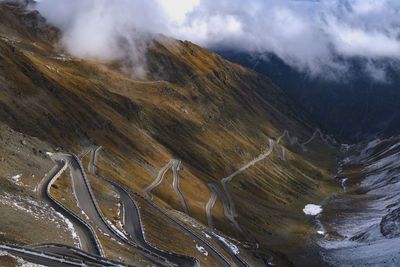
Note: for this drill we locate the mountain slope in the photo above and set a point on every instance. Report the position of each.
(355, 105)
(212, 115)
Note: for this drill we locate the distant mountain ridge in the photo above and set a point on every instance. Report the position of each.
(355, 107)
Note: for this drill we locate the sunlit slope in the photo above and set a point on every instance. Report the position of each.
(213, 115)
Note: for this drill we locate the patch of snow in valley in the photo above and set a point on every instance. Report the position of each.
(119, 224)
(202, 250)
(313, 210)
(344, 180)
(16, 178)
(70, 228)
(116, 230)
(206, 235)
(233, 247)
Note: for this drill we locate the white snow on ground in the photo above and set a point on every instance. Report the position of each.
(39, 211)
(370, 247)
(320, 232)
(344, 180)
(206, 235)
(118, 223)
(70, 228)
(234, 248)
(311, 209)
(116, 229)
(202, 250)
(51, 68)
(364, 153)
(16, 178)
(391, 161)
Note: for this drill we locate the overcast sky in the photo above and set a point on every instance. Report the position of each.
(305, 33)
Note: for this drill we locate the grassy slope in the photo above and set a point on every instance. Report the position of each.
(213, 115)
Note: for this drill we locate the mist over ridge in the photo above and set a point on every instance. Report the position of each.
(311, 36)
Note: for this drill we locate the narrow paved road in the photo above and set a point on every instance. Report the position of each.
(41, 258)
(159, 179)
(83, 196)
(175, 168)
(132, 221)
(222, 260)
(324, 138)
(216, 192)
(175, 164)
(272, 146)
(135, 228)
(235, 257)
(88, 204)
(71, 252)
(86, 239)
(227, 179)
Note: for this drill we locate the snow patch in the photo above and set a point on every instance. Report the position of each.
(313, 210)
(16, 178)
(233, 247)
(344, 184)
(121, 234)
(202, 250)
(206, 235)
(71, 228)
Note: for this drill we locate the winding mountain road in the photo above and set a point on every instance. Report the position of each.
(175, 164)
(272, 146)
(133, 224)
(88, 204)
(132, 221)
(224, 181)
(87, 239)
(158, 180)
(216, 192)
(42, 258)
(232, 254)
(175, 168)
(73, 253)
(223, 261)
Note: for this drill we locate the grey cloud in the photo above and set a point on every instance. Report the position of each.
(308, 35)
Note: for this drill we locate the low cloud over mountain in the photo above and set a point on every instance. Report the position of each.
(308, 34)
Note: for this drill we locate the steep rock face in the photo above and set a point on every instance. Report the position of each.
(363, 222)
(390, 224)
(213, 115)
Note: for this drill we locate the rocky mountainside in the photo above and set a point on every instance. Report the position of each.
(363, 222)
(355, 106)
(208, 144)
